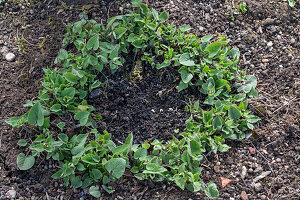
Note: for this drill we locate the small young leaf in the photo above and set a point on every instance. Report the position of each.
(186, 76)
(211, 191)
(61, 125)
(186, 60)
(25, 163)
(163, 16)
(22, 143)
(206, 38)
(35, 115)
(136, 3)
(185, 28)
(94, 191)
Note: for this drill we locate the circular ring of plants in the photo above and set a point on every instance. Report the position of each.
(91, 157)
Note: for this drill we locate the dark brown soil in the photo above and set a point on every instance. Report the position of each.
(151, 107)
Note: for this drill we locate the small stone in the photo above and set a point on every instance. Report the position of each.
(11, 194)
(257, 187)
(281, 66)
(231, 24)
(278, 160)
(225, 181)
(263, 197)
(244, 195)
(252, 150)
(268, 21)
(217, 169)
(293, 40)
(263, 175)
(10, 57)
(4, 50)
(273, 29)
(201, 28)
(244, 172)
(265, 60)
(265, 151)
(170, 109)
(269, 44)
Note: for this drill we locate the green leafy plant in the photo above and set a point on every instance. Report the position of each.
(242, 7)
(292, 3)
(91, 157)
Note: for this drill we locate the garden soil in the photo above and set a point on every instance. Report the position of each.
(265, 166)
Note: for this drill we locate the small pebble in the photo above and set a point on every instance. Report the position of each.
(269, 44)
(263, 197)
(11, 194)
(258, 187)
(293, 40)
(10, 57)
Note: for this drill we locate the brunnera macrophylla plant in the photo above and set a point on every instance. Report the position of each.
(91, 159)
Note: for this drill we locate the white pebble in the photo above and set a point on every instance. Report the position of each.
(10, 57)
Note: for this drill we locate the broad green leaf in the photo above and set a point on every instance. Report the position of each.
(56, 108)
(252, 118)
(195, 147)
(234, 113)
(94, 191)
(22, 143)
(155, 14)
(83, 116)
(120, 149)
(138, 43)
(151, 167)
(78, 150)
(144, 8)
(141, 152)
(185, 28)
(25, 163)
(211, 191)
(35, 115)
(218, 122)
(214, 48)
(76, 182)
(72, 78)
(186, 76)
(206, 38)
(93, 43)
(234, 53)
(186, 60)
(57, 174)
(182, 86)
(116, 166)
(180, 181)
(96, 174)
(198, 186)
(63, 137)
(120, 32)
(136, 3)
(163, 16)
